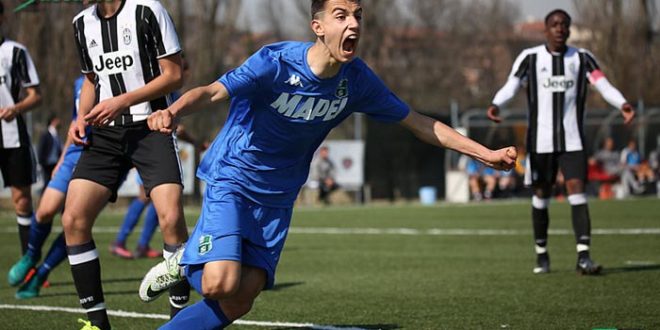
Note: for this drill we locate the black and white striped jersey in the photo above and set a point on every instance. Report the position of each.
(556, 94)
(16, 71)
(123, 50)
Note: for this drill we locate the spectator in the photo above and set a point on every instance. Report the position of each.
(636, 172)
(50, 148)
(609, 158)
(325, 169)
(604, 169)
(479, 177)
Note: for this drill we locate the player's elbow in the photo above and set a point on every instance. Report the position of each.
(176, 79)
(35, 96)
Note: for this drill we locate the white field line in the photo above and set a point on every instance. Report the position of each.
(415, 232)
(120, 313)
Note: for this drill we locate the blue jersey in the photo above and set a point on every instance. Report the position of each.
(280, 113)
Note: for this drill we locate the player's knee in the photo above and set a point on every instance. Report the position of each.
(218, 287)
(236, 308)
(74, 223)
(46, 214)
(169, 218)
(22, 204)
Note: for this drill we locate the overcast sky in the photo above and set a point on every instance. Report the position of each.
(539, 8)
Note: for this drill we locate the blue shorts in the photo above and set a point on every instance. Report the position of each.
(232, 227)
(60, 181)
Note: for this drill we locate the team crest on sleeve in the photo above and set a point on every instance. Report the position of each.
(127, 36)
(342, 89)
(205, 244)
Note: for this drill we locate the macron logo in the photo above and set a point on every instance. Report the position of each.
(294, 80)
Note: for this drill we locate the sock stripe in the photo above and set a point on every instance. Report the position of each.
(76, 259)
(540, 249)
(24, 220)
(582, 247)
(97, 307)
(178, 305)
(540, 203)
(577, 199)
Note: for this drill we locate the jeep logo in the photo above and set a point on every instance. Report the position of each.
(115, 62)
(558, 84)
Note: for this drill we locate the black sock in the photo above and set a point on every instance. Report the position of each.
(180, 293)
(581, 228)
(24, 222)
(540, 222)
(179, 296)
(86, 271)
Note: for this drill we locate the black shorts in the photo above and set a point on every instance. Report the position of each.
(18, 166)
(542, 168)
(113, 151)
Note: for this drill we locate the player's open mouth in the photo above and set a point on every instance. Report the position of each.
(350, 44)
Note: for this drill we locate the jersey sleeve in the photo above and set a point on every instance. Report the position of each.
(598, 79)
(377, 101)
(518, 74)
(86, 65)
(27, 73)
(251, 75)
(162, 30)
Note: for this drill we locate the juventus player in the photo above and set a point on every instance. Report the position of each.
(557, 76)
(130, 55)
(16, 158)
(285, 99)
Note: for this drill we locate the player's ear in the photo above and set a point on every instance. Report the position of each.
(317, 28)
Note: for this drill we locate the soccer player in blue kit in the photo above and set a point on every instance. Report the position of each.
(50, 204)
(285, 99)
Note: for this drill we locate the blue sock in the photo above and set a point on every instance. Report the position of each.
(205, 314)
(38, 234)
(150, 225)
(55, 256)
(130, 220)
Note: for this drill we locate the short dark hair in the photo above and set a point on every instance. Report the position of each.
(317, 6)
(557, 11)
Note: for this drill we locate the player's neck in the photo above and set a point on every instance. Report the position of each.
(109, 8)
(556, 48)
(321, 62)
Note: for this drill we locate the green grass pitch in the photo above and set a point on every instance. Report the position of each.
(406, 267)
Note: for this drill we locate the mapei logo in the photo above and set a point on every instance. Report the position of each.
(115, 62)
(294, 80)
(558, 84)
(308, 108)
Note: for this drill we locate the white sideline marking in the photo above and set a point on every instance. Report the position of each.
(462, 232)
(120, 313)
(416, 232)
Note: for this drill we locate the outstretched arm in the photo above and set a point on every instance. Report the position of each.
(503, 96)
(192, 101)
(612, 95)
(436, 133)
